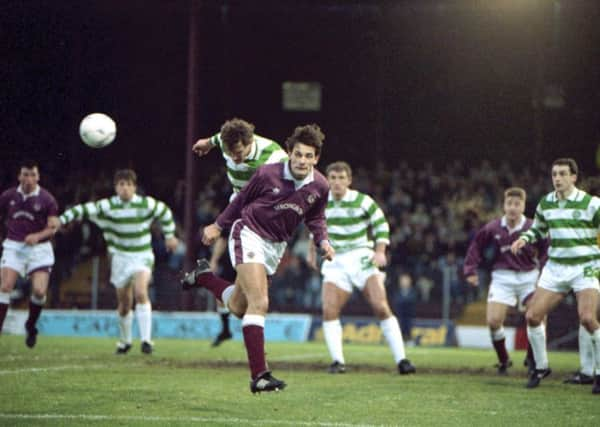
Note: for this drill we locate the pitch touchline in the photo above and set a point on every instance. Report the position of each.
(51, 368)
(176, 419)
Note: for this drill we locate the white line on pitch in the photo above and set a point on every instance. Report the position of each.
(202, 420)
(49, 369)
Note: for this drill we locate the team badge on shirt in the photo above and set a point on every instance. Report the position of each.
(276, 190)
(37, 207)
(576, 214)
(311, 199)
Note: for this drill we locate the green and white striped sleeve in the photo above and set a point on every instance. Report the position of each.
(379, 225)
(162, 213)
(539, 227)
(84, 211)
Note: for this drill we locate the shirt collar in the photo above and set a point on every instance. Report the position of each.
(35, 192)
(520, 224)
(571, 197)
(287, 174)
(117, 200)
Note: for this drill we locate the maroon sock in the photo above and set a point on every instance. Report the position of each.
(254, 339)
(213, 283)
(34, 314)
(3, 310)
(529, 352)
(500, 348)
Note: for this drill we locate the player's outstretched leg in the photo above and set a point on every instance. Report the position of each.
(202, 277)
(499, 342)
(537, 338)
(35, 309)
(586, 357)
(225, 333)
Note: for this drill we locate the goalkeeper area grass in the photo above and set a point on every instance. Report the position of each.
(81, 382)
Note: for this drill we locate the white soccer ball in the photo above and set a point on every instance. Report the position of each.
(97, 130)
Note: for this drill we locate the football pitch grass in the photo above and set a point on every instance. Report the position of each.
(80, 382)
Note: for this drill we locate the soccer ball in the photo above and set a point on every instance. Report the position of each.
(97, 130)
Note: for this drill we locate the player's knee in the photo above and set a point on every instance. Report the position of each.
(533, 318)
(381, 311)
(494, 323)
(330, 311)
(259, 304)
(588, 321)
(123, 310)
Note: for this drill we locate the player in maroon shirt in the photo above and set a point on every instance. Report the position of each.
(262, 218)
(30, 213)
(513, 276)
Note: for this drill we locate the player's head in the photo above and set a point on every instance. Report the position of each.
(125, 181)
(304, 149)
(237, 136)
(564, 174)
(339, 176)
(29, 175)
(514, 203)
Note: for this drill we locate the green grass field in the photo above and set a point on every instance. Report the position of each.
(79, 382)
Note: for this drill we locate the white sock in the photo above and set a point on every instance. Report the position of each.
(393, 336)
(4, 298)
(38, 301)
(596, 350)
(226, 295)
(332, 330)
(125, 327)
(498, 334)
(537, 339)
(143, 314)
(586, 351)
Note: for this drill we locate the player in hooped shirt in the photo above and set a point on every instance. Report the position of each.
(513, 276)
(263, 216)
(29, 212)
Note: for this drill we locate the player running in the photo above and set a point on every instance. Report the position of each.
(30, 213)
(513, 276)
(125, 221)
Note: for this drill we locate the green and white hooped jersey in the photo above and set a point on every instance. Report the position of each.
(265, 151)
(349, 219)
(572, 225)
(125, 225)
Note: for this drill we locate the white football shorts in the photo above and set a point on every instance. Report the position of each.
(26, 259)
(351, 268)
(562, 278)
(510, 287)
(245, 246)
(124, 266)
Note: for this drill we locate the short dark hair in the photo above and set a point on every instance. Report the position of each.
(125, 175)
(567, 161)
(340, 166)
(310, 135)
(28, 164)
(236, 130)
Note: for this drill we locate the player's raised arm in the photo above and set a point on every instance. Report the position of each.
(202, 146)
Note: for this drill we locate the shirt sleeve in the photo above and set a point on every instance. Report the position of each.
(376, 218)
(473, 257)
(315, 219)
(539, 228)
(163, 214)
(89, 210)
